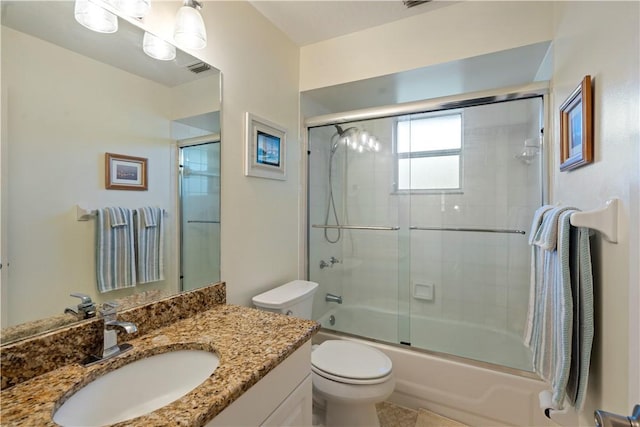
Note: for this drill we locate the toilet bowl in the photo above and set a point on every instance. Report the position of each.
(348, 378)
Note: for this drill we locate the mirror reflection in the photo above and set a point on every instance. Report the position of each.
(69, 96)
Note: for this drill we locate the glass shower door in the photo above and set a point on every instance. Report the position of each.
(475, 181)
(200, 215)
(353, 229)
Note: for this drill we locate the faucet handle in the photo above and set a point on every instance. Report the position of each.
(84, 298)
(109, 308)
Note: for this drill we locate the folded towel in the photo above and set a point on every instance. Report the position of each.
(149, 216)
(536, 266)
(150, 244)
(547, 235)
(115, 255)
(117, 216)
(561, 332)
(537, 221)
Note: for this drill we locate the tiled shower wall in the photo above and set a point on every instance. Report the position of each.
(479, 278)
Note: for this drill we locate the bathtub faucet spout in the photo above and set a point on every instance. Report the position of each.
(333, 298)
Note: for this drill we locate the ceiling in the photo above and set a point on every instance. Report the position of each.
(307, 22)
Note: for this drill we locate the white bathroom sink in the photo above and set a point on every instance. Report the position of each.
(137, 388)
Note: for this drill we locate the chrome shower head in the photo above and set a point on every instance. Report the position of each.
(356, 139)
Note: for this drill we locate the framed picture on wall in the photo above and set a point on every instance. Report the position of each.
(125, 172)
(265, 148)
(576, 127)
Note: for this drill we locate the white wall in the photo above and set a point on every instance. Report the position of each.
(602, 39)
(64, 111)
(260, 75)
(457, 31)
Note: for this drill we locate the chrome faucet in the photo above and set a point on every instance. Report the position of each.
(332, 260)
(85, 310)
(333, 298)
(110, 346)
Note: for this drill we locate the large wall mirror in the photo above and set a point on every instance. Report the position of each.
(69, 96)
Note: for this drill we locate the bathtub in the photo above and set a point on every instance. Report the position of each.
(472, 392)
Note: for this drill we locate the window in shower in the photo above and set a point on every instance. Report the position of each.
(429, 152)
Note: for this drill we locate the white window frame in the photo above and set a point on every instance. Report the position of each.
(429, 153)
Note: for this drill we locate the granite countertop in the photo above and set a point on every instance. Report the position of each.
(249, 343)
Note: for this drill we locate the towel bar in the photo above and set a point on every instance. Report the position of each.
(83, 213)
(604, 220)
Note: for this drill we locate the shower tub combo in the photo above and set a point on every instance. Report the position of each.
(418, 218)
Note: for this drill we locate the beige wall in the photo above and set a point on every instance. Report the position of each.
(260, 75)
(602, 39)
(449, 33)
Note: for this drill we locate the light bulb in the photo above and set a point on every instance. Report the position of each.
(157, 48)
(95, 17)
(190, 31)
(364, 136)
(376, 147)
(360, 148)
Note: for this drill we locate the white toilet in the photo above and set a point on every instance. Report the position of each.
(348, 378)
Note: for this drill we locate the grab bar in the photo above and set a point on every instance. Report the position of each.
(356, 227)
(202, 222)
(476, 230)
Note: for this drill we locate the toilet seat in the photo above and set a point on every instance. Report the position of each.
(350, 363)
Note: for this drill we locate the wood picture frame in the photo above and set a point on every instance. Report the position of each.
(576, 127)
(125, 172)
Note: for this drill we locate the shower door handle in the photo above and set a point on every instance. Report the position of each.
(357, 227)
(473, 230)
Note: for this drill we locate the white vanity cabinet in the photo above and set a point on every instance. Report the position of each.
(282, 398)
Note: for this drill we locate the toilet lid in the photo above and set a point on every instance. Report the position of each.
(346, 359)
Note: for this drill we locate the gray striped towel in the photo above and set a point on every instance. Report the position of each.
(115, 255)
(552, 331)
(150, 244)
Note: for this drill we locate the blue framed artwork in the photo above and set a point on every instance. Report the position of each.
(576, 127)
(265, 148)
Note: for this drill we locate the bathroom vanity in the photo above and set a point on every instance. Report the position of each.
(263, 376)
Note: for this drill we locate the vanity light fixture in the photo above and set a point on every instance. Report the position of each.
(190, 31)
(94, 17)
(134, 8)
(157, 48)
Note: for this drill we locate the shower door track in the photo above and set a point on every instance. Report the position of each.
(476, 230)
(492, 96)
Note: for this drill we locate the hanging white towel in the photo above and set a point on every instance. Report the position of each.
(115, 255)
(150, 244)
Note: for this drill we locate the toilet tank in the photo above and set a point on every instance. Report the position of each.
(293, 299)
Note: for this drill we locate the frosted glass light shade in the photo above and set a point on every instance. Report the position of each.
(190, 31)
(95, 17)
(134, 8)
(157, 48)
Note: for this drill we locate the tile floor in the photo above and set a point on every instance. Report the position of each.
(392, 415)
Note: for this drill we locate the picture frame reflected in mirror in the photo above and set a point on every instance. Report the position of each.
(124, 172)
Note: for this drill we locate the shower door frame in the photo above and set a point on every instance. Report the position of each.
(471, 99)
(214, 138)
